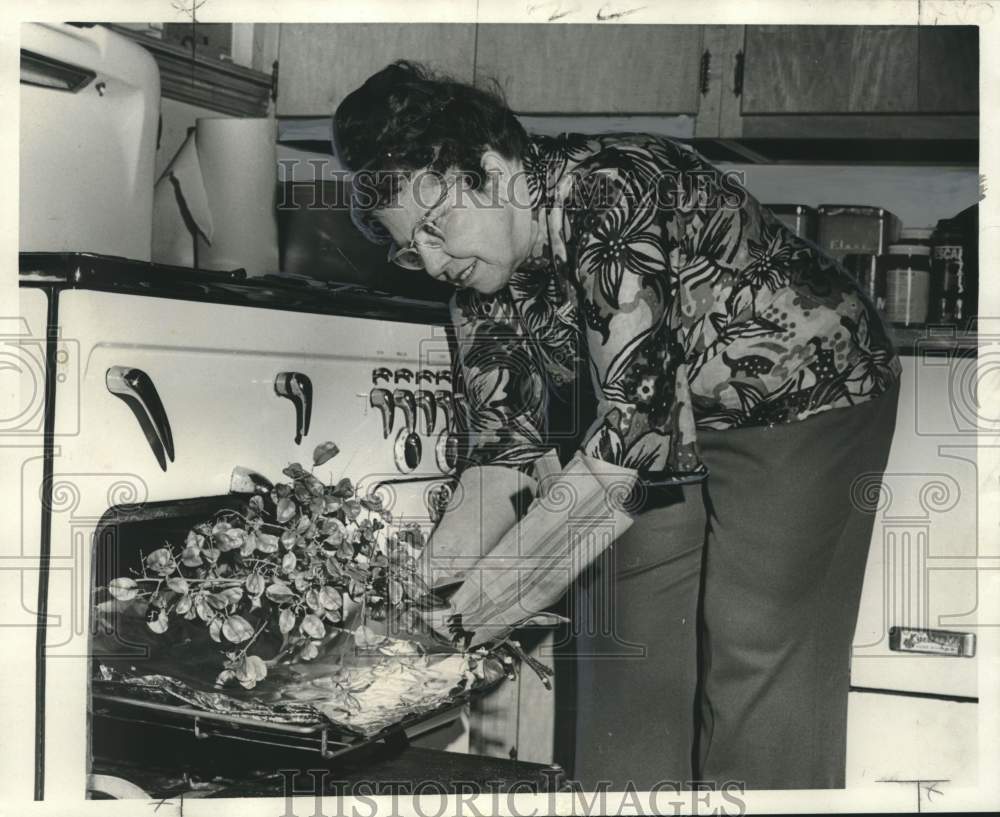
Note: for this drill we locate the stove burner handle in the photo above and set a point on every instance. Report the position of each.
(427, 404)
(447, 404)
(136, 389)
(381, 399)
(296, 387)
(407, 403)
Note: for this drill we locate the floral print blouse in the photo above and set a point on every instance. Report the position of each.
(660, 299)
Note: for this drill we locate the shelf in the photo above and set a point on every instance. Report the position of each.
(947, 340)
(203, 81)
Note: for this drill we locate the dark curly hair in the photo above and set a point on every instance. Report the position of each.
(406, 118)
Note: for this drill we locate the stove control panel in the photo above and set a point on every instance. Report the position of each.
(414, 406)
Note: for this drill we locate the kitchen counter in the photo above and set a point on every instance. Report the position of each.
(936, 340)
(300, 294)
(287, 292)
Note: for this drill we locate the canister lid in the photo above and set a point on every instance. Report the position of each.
(909, 249)
(902, 259)
(918, 234)
(790, 209)
(947, 232)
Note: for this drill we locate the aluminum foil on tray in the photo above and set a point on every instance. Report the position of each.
(360, 688)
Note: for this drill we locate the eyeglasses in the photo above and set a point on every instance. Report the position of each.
(426, 233)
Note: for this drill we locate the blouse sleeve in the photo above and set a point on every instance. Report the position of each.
(623, 271)
(500, 381)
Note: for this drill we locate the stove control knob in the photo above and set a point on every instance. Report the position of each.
(446, 451)
(406, 375)
(382, 373)
(407, 451)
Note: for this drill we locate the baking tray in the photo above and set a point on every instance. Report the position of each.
(326, 739)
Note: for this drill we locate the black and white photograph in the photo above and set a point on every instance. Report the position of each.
(574, 406)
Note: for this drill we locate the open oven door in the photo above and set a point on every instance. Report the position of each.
(159, 400)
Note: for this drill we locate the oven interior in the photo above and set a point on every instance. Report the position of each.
(176, 747)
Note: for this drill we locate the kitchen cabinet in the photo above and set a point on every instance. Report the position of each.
(829, 69)
(321, 63)
(912, 714)
(224, 84)
(901, 82)
(735, 83)
(593, 68)
(860, 69)
(923, 563)
(948, 69)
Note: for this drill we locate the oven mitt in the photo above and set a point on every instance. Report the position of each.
(484, 506)
(573, 520)
(488, 502)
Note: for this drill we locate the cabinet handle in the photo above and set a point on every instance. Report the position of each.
(296, 387)
(738, 75)
(706, 67)
(136, 389)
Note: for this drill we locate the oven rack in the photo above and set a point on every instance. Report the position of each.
(326, 739)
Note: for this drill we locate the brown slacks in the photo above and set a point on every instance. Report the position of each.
(713, 639)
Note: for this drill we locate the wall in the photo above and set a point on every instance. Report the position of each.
(918, 195)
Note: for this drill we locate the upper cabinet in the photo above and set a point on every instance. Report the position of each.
(948, 71)
(829, 69)
(594, 68)
(860, 81)
(735, 83)
(321, 63)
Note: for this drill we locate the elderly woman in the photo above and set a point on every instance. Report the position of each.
(621, 300)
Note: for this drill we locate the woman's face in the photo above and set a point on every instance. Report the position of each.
(478, 237)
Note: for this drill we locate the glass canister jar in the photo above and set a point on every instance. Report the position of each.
(949, 279)
(907, 283)
(870, 274)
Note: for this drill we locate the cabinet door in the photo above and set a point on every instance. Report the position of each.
(596, 68)
(924, 565)
(321, 63)
(830, 69)
(949, 69)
